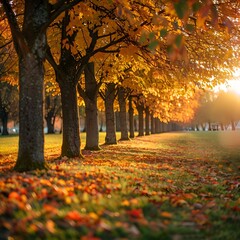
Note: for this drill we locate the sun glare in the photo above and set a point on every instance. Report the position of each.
(232, 85)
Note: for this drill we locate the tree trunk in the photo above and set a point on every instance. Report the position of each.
(4, 118)
(157, 125)
(90, 99)
(163, 127)
(203, 126)
(101, 120)
(110, 116)
(147, 115)
(209, 126)
(140, 109)
(31, 49)
(50, 122)
(131, 117)
(71, 133)
(169, 127)
(233, 125)
(117, 120)
(92, 133)
(153, 131)
(31, 136)
(123, 114)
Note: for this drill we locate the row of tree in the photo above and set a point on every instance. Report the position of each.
(218, 111)
(155, 53)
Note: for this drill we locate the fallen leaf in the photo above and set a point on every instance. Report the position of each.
(73, 215)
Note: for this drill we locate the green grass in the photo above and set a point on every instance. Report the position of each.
(9, 144)
(182, 185)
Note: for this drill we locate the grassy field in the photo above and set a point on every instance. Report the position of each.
(9, 144)
(175, 186)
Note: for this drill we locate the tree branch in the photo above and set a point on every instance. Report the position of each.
(81, 92)
(17, 35)
(53, 63)
(59, 7)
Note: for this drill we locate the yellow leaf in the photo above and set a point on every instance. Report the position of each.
(85, 197)
(125, 203)
(68, 200)
(93, 216)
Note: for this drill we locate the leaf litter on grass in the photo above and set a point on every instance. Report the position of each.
(154, 187)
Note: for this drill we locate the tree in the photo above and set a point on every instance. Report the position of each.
(109, 98)
(131, 116)
(8, 104)
(147, 119)
(122, 97)
(82, 39)
(8, 92)
(30, 43)
(90, 98)
(52, 110)
(140, 108)
(226, 108)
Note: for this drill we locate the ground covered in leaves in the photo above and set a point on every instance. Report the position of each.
(165, 186)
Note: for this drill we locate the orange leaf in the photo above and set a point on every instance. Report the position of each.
(14, 195)
(166, 214)
(73, 215)
(50, 226)
(50, 209)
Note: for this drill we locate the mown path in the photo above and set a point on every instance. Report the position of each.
(166, 186)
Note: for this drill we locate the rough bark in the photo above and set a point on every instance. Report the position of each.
(147, 116)
(31, 137)
(71, 133)
(131, 117)
(31, 75)
(110, 116)
(30, 44)
(67, 79)
(123, 114)
(90, 99)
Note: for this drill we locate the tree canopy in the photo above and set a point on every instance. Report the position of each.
(160, 51)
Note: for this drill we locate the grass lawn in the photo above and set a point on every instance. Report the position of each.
(177, 186)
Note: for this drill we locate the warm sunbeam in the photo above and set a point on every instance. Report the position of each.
(232, 85)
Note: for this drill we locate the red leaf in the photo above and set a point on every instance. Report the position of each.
(136, 213)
